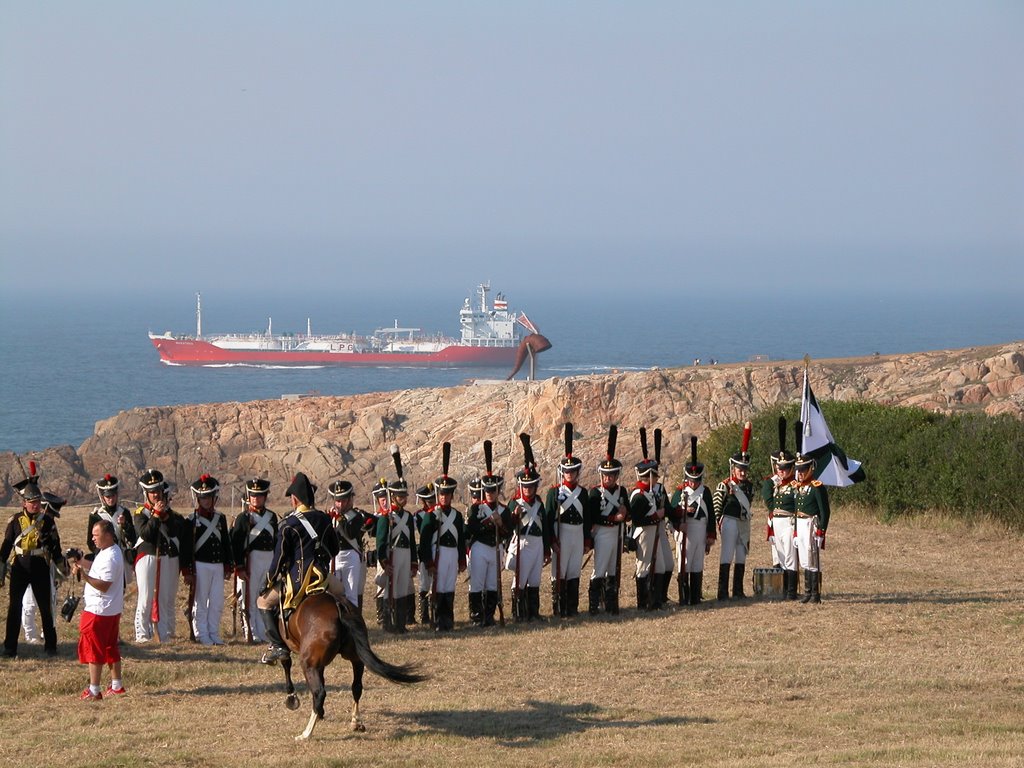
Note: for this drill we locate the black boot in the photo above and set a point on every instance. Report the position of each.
(792, 579)
(533, 604)
(476, 610)
(665, 582)
(380, 611)
(572, 597)
(723, 581)
(557, 604)
(490, 605)
(519, 612)
(641, 593)
(696, 587)
(410, 608)
(611, 596)
(816, 587)
(401, 614)
(278, 650)
(737, 581)
(684, 589)
(447, 600)
(594, 596)
(424, 609)
(388, 613)
(810, 584)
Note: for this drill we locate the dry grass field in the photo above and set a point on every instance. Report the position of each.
(915, 658)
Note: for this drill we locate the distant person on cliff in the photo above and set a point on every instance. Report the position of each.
(305, 547)
(567, 509)
(119, 516)
(213, 562)
(32, 537)
(697, 531)
(99, 628)
(253, 533)
(163, 551)
(733, 497)
(610, 509)
(812, 513)
(443, 551)
(426, 495)
(29, 610)
(350, 524)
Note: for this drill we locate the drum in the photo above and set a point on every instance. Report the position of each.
(768, 582)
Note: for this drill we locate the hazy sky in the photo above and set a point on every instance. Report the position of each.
(574, 144)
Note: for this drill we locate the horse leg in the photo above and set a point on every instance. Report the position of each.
(292, 701)
(318, 691)
(357, 692)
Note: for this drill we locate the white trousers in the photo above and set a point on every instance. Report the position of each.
(735, 537)
(807, 547)
(249, 590)
(529, 552)
(692, 561)
(350, 568)
(209, 604)
(30, 608)
(606, 545)
(401, 573)
(568, 562)
(146, 576)
(483, 567)
(447, 570)
(785, 543)
(645, 549)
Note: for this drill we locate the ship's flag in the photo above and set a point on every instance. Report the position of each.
(525, 322)
(832, 466)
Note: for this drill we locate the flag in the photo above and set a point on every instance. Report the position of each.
(831, 465)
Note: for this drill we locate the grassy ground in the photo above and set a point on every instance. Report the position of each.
(915, 658)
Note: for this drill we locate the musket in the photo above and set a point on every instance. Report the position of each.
(613, 435)
(190, 608)
(446, 455)
(657, 527)
(559, 578)
(488, 463)
(246, 607)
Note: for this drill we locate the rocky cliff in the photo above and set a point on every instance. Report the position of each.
(331, 437)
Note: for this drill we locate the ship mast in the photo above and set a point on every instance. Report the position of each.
(199, 315)
(483, 290)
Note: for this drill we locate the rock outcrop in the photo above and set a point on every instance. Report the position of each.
(329, 437)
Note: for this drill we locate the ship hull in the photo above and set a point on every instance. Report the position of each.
(197, 352)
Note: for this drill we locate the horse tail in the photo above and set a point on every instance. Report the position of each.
(397, 673)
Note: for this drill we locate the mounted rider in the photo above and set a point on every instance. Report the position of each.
(305, 546)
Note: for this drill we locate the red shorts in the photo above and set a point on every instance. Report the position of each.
(98, 641)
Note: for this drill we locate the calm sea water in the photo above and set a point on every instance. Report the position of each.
(69, 363)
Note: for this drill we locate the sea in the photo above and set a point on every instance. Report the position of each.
(69, 362)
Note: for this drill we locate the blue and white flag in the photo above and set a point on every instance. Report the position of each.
(831, 465)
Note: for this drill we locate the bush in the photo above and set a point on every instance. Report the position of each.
(915, 460)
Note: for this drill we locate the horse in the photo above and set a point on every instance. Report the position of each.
(320, 629)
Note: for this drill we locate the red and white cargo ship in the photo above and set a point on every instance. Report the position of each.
(490, 336)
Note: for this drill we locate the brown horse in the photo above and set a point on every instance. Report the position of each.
(320, 629)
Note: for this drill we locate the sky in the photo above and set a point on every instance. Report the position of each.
(317, 147)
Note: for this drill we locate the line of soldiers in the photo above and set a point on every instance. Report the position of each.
(422, 552)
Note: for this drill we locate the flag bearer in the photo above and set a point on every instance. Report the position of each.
(780, 498)
(812, 513)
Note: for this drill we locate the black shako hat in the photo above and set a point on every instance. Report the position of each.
(340, 489)
(107, 485)
(301, 489)
(152, 480)
(28, 489)
(206, 485)
(258, 486)
(610, 465)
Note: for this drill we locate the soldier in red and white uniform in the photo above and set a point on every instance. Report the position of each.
(567, 509)
(252, 540)
(351, 524)
(696, 529)
(530, 547)
(733, 498)
(609, 506)
(486, 523)
(212, 560)
(649, 509)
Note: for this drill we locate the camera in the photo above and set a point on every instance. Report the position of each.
(73, 554)
(67, 608)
